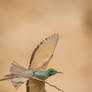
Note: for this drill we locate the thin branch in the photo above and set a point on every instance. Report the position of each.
(54, 86)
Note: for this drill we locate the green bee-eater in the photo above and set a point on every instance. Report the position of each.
(40, 58)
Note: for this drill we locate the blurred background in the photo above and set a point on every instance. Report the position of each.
(24, 23)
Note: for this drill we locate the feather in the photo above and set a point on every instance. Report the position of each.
(43, 53)
(17, 82)
(16, 68)
(15, 77)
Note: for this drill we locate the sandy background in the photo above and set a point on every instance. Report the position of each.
(24, 23)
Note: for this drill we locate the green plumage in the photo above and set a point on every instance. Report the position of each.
(43, 74)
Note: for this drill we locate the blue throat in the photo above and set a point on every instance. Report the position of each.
(52, 73)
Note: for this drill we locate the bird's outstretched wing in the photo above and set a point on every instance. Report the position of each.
(40, 59)
(43, 53)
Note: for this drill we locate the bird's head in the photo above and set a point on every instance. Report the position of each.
(53, 71)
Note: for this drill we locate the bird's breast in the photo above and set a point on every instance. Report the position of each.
(42, 74)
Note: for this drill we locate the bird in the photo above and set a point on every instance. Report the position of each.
(37, 71)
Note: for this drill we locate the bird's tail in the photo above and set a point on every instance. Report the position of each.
(16, 68)
(15, 78)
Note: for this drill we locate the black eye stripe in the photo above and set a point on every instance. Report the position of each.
(53, 71)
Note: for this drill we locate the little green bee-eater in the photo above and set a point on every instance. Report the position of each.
(40, 58)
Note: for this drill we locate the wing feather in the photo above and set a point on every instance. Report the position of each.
(40, 58)
(43, 53)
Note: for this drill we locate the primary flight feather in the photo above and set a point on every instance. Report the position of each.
(44, 52)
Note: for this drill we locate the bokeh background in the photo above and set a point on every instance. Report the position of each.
(24, 23)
